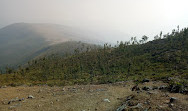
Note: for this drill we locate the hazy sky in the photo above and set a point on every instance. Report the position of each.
(133, 17)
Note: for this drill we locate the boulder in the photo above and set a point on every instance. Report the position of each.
(175, 88)
(163, 87)
(145, 80)
(173, 99)
(13, 100)
(106, 100)
(21, 99)
(154, 87)
(135, 88)
(121, 108)
(146, 88)
(30, 97)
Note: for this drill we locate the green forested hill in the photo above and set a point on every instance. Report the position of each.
(158, 59)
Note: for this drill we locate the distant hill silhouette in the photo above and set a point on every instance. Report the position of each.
(21, 42)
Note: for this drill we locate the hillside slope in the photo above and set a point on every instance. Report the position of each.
(163, 59)
(22, 42)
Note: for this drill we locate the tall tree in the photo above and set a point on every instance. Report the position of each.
(145, 38)
(161, 33)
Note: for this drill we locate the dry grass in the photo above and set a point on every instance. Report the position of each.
(83, 97)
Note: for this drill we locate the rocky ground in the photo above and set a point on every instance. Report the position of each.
(123, 96)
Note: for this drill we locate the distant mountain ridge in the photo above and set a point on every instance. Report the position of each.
(21, 42)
